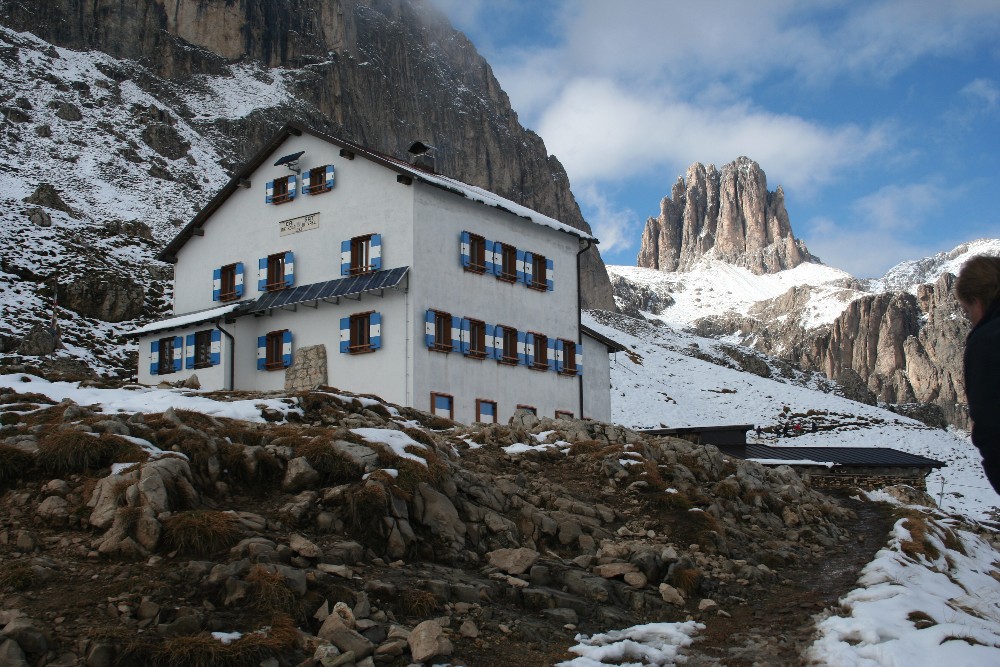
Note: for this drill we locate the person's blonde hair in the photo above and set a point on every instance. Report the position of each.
(979, 280)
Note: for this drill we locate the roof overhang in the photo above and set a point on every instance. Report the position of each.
(186, 320)
(612, 345)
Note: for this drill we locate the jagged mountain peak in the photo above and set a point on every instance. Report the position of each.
(726, 213)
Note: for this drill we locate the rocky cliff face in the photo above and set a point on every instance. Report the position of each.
(381, 73)
(730, 214)
(902, 347)
(908, 347)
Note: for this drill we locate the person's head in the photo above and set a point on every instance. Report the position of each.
(978, 286)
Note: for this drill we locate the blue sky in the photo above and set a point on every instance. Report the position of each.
(880, 119)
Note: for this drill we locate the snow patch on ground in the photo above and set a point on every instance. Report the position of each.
(653, 644)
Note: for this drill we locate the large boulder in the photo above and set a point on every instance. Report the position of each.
(103, 295)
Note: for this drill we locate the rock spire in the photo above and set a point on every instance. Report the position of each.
(728, 214)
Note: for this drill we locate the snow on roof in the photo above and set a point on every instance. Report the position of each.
(490, 199)
(184, 320)
(793, 462)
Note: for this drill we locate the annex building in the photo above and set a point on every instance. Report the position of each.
(322, 262)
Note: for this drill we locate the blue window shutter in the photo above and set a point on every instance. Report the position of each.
(261, 352)
(522, 353)
(557, 356)
(190, 351)
(488, 256)
(345, 335)
(286, 348)
(466, 336)
(429, 328)
(216, 351)
(306, 182)
(456, 333)
(329, 176)
(529, 349)
(528, 259)
(239, 279)
(552, 355)
(375, 330)
(498, 343)
(376, 252)
(154, 357)
(269, 192)
(549, 274)
(579, 359)
(178, 353)
(497, 258)
(490, 344)
(216, 284)
(293, 188)
(262, 274)
(520, 266)
(463, 249)
(289, 269)
(345, 258)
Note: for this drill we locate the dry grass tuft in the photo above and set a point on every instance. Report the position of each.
(269, 593)
(651, 475)
(14, 464)
(333, 467)
(67, 450)
(728, 489)
(919, 544)
(17, 577)
(672, 501)
(278, 640)
(417, 602)
(367, 504)
(202, 532)
(921, 620)
(686, 579)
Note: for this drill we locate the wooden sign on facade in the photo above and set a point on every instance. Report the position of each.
(301, 224)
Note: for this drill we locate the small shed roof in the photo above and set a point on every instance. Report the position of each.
(842, 456)
(612, 345)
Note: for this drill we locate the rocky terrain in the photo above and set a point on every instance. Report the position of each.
(337, 530)
(118, 123)
(729, 214)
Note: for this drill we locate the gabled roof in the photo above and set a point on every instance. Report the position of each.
(240, 179)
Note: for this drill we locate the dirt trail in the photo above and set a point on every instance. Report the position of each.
(776, 629)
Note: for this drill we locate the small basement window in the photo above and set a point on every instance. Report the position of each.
(443, 405)
(486, 411)
(530, 408)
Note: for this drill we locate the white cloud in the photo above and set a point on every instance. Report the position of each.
(898, 208)
(862, 252)
(615, 227)
(602, 132)
(983, 91)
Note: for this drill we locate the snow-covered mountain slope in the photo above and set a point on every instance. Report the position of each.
(672, 379)
(714, 287)
(129, 169)
(906, 276)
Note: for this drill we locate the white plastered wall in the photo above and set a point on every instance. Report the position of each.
(596, 380)
(439, 282)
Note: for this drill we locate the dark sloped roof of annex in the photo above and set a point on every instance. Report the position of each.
(485, 197)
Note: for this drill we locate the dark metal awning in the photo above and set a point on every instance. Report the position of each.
(331, 291)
